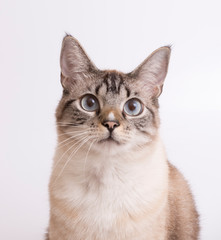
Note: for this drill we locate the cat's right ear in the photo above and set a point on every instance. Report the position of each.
(73, 61)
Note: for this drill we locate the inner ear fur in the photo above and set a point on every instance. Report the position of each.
(73, 61)
(153, 70)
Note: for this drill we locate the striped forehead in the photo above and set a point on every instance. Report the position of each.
(114, 84)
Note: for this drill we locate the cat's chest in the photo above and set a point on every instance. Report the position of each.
(109, 204)
(111, 199)
(105, 194)
(112, 188)
(110, 215)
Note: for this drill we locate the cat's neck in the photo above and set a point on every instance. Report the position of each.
(98, 168)
(135, 165)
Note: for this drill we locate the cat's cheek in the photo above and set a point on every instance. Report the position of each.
(101, 128)
(102, 131)
(121, 135)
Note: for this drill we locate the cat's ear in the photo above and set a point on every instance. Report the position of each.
(73, 60)
(153, 70)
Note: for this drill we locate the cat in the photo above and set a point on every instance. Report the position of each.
(111, 179)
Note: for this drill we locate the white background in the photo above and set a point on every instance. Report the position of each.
(116, 34)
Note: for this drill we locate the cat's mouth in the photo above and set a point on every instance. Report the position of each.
(109, 139)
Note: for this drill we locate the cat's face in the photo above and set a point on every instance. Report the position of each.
(109, 109)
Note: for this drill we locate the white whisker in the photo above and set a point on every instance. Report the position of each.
(71, 155)
(72, 137)
(76, 131)
(71, 124)
(85, 160)
(82, 138)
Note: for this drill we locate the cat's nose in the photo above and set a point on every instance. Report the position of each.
(111, 125)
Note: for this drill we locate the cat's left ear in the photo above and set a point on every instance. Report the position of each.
(153, 70)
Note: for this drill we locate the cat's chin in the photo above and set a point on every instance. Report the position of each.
(111, 146)
(109, 141)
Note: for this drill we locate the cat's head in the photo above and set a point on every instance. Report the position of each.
(109, 109)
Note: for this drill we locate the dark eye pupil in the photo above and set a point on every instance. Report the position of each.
(90, 102)
(132, 105)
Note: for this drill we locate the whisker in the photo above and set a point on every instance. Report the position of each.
(71, 140)
(76, 131)
(82, 138)
(70, 123)
(72, 137)
(71, 155)
(85, 160)
(63, 122)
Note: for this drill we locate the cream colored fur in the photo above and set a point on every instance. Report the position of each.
(116, 197)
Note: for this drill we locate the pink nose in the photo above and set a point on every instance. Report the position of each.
(111, 125)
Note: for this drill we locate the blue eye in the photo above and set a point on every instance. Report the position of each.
(133, 107)
(89, 103)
